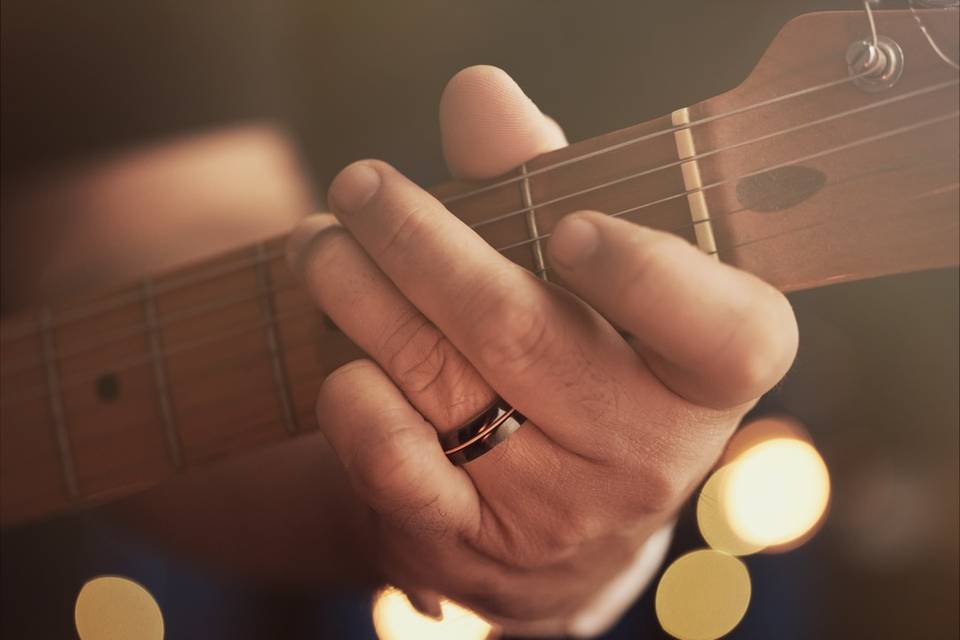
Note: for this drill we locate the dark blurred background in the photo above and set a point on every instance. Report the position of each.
(876, 380)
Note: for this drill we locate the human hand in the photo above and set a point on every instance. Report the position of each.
(618, 431)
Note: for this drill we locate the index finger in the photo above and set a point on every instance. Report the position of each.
(526, 339)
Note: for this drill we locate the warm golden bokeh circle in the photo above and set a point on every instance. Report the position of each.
(703, 595)
(714, 521)
(116, 608)
(761, 430)
(394, 618)
(776, 492)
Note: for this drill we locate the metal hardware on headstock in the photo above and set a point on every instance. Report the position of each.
(875, 64)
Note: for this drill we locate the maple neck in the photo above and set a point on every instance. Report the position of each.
(798, 176)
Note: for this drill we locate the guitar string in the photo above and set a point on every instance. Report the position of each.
(649, 136)
(132, 363)
(933, 43)
(211, 404)
(43, 392)
(165, 321)
(251, 358)
(290, 284)
(129, 331)
(856, 143)
(78, 313)
(224, 269)
(761, 239)
(73, 315)
(712, 152)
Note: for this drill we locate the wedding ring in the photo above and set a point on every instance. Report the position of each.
(482, 433)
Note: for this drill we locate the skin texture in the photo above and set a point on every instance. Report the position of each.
(618, 433)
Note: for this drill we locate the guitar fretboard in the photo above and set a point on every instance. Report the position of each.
(801, 178)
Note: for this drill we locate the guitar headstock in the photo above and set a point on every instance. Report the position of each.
(842, 158)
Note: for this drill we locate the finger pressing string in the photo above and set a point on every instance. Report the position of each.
(715, 335)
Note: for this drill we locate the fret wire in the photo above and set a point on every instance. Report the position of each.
(867, 140)
(299, 344)
(820, 121)
(249, 359)
(161, 322)
(179, 349)
(155, 340)
(83, 312)
(273, 342)
(645, 137)
(72, 315)
(764, 103)
(531, 216)
(304, 312)
(712, 152)
(623, 212)
(54, 394)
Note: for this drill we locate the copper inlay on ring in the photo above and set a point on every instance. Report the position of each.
(483, 432)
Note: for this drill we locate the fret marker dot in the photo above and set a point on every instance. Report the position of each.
(108, 387)
(115, 608)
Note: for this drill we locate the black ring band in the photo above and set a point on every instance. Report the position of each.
(482, 433)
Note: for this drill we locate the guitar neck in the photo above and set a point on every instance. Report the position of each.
(798, 176)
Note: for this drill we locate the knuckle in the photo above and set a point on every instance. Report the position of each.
(560, 542)
(659, 490)
(762, 347)
(555, 535)
(657, 479)
(416, 353)
(515, 335)
(411, 217)
(384, 466)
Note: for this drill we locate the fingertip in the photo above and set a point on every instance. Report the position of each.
(558, 134)
(574, 240)
(489, 125)
(303, 236)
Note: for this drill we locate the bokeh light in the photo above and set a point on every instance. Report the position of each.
(776, 492)
(394, 618)
(702, 595)
(714, 520)
(115, 608)
(763, 429)
(764, 497)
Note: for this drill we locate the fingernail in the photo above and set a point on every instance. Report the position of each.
(353, 188)
(573, 242)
